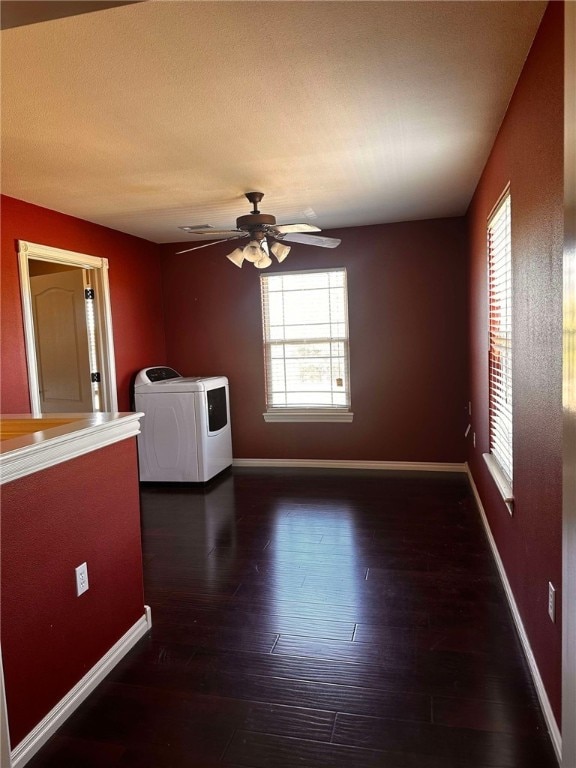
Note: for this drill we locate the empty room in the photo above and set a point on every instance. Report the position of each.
(288, 384)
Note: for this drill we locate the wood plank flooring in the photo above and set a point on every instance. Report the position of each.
(315, 619)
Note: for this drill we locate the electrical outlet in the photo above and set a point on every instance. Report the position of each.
(551, 601)
(81, 579)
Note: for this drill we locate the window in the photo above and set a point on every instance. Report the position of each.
(305, 323)
(500, 460)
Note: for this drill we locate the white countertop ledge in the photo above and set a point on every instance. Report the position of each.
(28, 453)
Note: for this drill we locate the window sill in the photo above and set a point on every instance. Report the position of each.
(502, 482)
(308, 415)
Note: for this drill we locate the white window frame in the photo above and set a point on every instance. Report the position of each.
(303, 413)
(500, 459)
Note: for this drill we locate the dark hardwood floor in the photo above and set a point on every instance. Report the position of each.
(315, 619)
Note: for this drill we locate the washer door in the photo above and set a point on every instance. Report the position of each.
(217, 403)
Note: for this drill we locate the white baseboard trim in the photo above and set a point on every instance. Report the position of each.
(538, 683)
(28, 747)
(409, 466)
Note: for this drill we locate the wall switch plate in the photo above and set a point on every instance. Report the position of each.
(551, 601)
(81, 579)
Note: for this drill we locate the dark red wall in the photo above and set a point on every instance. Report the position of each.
(528, 153)
(407, 312)
(134, 275)
(84, 510)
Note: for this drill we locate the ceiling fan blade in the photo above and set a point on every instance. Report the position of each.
(323, 242)
(205, 245)
(215, 232)
(286, 228)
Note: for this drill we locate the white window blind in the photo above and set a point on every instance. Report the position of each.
(500, 334)
(305, 324)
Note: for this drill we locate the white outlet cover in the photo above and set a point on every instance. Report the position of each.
(81, 579)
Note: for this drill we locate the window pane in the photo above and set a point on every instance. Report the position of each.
(319, 331)
(318, 349)
(305, 336)
(303, 307)
(276, 309)
(500, 335)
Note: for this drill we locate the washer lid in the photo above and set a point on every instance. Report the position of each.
(182, 384)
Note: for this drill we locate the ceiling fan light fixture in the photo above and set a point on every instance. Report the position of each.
(253, 251)
(236, 257)
(280, 251)
(264, 262)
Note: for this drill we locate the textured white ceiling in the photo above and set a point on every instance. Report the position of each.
(160, 114)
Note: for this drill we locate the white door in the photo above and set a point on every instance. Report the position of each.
(62, 352)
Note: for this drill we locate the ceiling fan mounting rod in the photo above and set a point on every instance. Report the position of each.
(255, 221)
(254, 198)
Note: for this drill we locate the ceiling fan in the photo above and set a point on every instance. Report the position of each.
(266, 237)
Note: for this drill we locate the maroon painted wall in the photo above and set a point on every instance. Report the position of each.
(134, 276)
(528, 153)
(50, 637)
(408, 318)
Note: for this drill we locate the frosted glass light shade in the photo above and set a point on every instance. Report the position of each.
(280, 251)
(236, 257)
(253, 251)
(264, 262)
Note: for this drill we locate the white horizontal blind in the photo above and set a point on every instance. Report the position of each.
(500, 334)
(305, 323)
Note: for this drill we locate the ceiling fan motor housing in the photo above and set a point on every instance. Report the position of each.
(254, 221)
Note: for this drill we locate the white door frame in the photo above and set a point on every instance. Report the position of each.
(569, 398)
(99, 270)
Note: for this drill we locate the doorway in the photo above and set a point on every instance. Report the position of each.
(68, 330)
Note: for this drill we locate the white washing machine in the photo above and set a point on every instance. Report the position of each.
(185, 433)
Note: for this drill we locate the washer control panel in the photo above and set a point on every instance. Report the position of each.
(161, 374)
